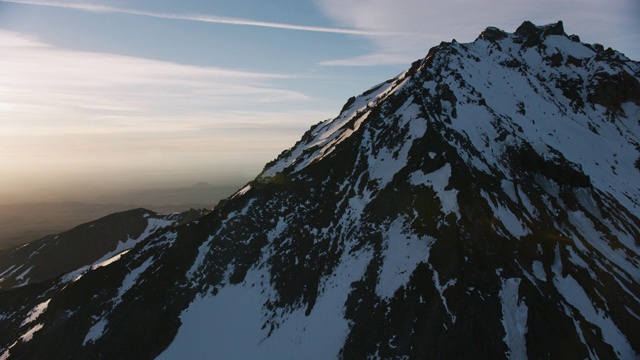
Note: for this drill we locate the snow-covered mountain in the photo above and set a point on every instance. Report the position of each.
(84, 246)
(483, 204)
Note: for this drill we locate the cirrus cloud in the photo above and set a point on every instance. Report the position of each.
(194, 17)
(104, 118)
(45, 88)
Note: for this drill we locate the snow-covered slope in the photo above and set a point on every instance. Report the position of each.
(84, 246)
(483, 204)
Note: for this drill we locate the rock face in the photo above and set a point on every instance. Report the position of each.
(482, 204)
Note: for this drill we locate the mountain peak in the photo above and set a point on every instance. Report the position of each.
(528, 30)
(482, 203)
(527, 34)
(492, 34)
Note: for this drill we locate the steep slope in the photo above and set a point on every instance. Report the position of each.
(483, 204)
(86, 244)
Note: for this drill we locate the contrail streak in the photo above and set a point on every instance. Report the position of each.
(195, 17)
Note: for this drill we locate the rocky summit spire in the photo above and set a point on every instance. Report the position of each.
(482, 204)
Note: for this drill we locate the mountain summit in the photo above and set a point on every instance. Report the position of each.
(482, 204)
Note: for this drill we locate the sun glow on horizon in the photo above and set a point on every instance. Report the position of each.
(97, 117)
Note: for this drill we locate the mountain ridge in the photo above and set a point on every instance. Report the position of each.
(83, 245)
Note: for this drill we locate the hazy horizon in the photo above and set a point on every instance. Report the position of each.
(30, 218)
(133, 194)
(100, 97)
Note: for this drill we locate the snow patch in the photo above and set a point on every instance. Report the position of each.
(441, 289)
(24, 273)
(514, 319)
(131, 279)
(95, 332)
(110, 260)
(29, 334)
(241, 191)
(6, 353)
(509, 220)
(509, 189)
(36, 312)
(9, 269)
(202, 252)
(402, 253)
(438, 180)
(153, 224)
(235, 324)
(538, 271)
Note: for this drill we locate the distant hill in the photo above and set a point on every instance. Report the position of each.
(21, 223)
(86, 244)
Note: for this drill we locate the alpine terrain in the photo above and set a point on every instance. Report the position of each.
(485, 204)
(87, 244)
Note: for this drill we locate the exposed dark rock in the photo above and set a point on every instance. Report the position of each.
(573, 61)
(527, 29)
(611, 91)
(531, 35)
(556, 59)
(572, 89)
(348, 104)
(554, 29)
(492, 34)
(558, 169)
(511, 63)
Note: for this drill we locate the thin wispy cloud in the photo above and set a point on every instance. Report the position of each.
(199, 18)
(42, 83)
(66, 110)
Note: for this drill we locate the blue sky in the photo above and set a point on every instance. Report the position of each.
(107, 95)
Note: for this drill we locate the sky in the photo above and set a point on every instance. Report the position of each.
(101, 96)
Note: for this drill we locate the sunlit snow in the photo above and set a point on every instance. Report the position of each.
(36, 312)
